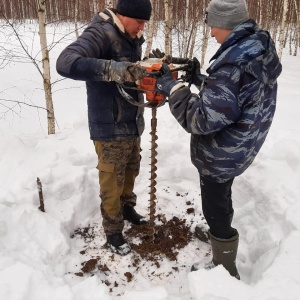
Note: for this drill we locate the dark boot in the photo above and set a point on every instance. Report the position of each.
(118, 244)
(224, 253)
(202, 234)
(132, 216)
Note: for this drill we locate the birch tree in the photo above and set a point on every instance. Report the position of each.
(206, 32)
(297, 27)
(95, 6)
(150, 32)
(282, 28)
(108, 3)
(46, 65)
(76, 8)
(168, 27)
(193, 39)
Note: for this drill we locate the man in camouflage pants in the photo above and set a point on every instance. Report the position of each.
(229, 119)
(118, 165)
(104, 56)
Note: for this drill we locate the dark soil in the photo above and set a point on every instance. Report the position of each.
(166, 239)
(152, 244)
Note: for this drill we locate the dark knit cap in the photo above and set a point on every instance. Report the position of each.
(137, 9)
(226, 13)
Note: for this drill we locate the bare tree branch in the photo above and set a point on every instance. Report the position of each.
(22, 103)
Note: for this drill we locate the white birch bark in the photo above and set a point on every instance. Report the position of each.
(193, 41)
(108, 4)
(206, 32)
(76, 7)
(260, 12)
(168, 28)
(186, 32)
(95, 6)
(150, 32)
(297, 31)
(282, 28)
(46, 65)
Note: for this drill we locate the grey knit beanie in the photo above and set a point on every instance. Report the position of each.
(226, 13)
(137, 9)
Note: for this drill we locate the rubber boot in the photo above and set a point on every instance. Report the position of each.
(202, 231)
(224, 253)
(130, 214)
(118, 244)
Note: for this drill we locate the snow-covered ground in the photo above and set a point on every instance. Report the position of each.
(39, 255)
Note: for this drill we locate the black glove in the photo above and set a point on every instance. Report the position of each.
(122, 71)
(156, 54)
(166, 82)
(196, 77)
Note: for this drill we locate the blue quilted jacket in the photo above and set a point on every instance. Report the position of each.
(230, 118)
(110, 116)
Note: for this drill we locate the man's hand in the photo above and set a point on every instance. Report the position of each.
(156, 53)
(122, 71)
(166, 84)
(196, 77)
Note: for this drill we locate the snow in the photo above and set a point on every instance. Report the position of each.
(38, 256)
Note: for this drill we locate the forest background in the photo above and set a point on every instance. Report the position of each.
(181, 21)
(280, 17)
(36, 249)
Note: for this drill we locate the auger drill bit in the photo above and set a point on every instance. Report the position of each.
(153, 173)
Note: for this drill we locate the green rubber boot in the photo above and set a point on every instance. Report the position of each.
(224, 253)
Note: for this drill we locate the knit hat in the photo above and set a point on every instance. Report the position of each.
(137, 9)
(226, 13)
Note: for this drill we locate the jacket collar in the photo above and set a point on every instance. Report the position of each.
(111, 14)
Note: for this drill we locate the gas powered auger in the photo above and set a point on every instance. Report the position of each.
(154, 100)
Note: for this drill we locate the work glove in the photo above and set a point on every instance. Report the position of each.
(196, 77)
(156, 53)
(124, 71)
(166, 84)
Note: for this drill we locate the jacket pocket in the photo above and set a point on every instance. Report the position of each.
(105, 167)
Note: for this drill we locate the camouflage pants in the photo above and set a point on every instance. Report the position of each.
(118, 165)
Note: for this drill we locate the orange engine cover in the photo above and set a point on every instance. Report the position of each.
(147, 84)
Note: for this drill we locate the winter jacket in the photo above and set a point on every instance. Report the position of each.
(230, 118)
(110, 116)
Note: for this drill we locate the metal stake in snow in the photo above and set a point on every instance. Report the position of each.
(40, 190)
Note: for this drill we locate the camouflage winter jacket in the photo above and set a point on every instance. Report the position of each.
(110, 116)
(230, 118)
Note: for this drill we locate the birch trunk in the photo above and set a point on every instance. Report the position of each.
(150, 33)
(282, 28)
(108, 4)
(206, 31)
(76, 6)
(46, 65)
(95, 6)
(186, 32)
(259, 6)
(193, 41)
(168, 28)
(297, 33)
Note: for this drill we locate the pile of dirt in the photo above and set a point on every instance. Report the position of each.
(152, 243)
(165, 239)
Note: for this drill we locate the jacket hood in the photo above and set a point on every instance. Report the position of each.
(251, 49)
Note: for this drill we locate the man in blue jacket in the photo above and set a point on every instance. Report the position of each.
(229, 119)
(104, 56)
